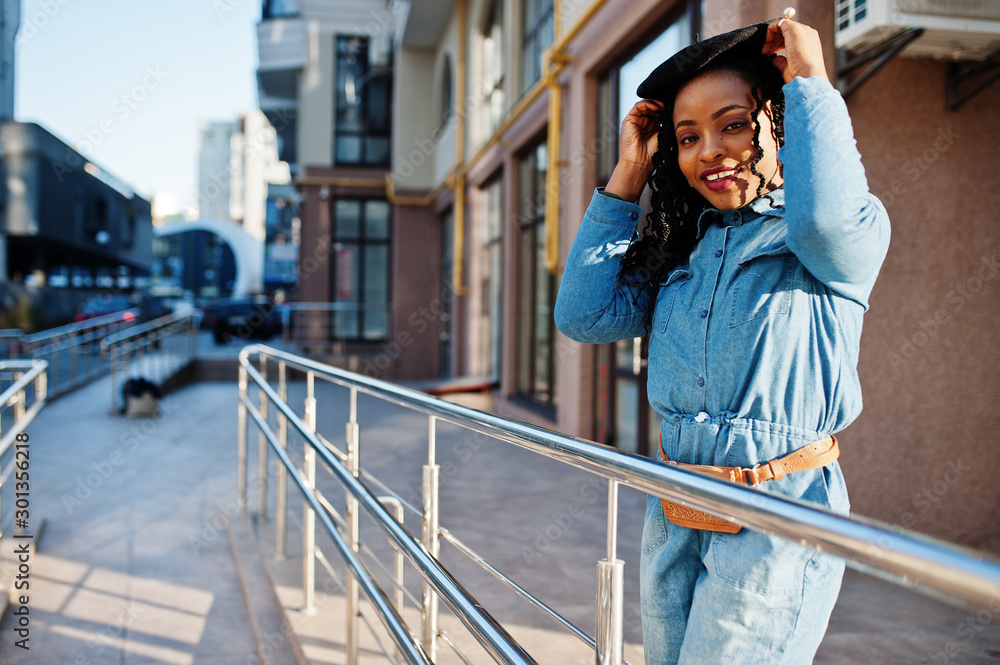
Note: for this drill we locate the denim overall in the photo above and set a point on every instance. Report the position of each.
(753, 354)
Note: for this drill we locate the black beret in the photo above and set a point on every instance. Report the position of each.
(662, 83)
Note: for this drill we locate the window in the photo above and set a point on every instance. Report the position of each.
(491, 276)
(361, 263)
(363, 119)
(623, 416)
(493, 69)
(535, 363)
(280, 8)
(447, 91)
(538, 35)
(447, 265)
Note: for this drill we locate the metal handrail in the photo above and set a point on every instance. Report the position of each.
(69, 349)
(945, 571)
(16, 395)
(491, 635)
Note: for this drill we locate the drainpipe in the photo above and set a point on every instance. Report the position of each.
(458, 223)
(554, 61)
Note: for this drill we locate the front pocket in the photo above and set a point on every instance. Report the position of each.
(763, 287)
(665, 300)
(760, 564)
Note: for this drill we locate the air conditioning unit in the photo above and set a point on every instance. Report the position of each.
(953, 29)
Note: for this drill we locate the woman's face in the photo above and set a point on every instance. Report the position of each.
(713, 123)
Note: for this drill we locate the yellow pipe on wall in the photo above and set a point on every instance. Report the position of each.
(458, 218)
(552, 184)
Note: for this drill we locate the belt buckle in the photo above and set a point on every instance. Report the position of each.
(750, 476)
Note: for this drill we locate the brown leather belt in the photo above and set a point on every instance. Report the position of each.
(813, 456)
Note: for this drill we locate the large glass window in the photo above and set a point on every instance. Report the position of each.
(361, 264)
(623, 416)
(535, 368)
(491, 275)
(538, 34)
(363, 119)
(493, 69)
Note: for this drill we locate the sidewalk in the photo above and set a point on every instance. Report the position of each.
(135, 563)
(143, 558)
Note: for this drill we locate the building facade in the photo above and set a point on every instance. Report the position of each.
(10, 21)
(215, 168)
(68, 228)
(505, 117)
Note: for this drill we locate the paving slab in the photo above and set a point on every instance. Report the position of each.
(135, 564)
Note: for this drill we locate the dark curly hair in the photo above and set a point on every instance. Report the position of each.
(669, 234)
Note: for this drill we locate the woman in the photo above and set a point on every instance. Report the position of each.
(751, 278)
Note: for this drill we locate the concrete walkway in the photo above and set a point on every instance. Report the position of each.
(135, 563)
(144, 559)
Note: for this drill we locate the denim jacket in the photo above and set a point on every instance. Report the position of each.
(759, 330)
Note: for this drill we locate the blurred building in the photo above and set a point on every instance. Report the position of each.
(69, 228)
(237, 165)
(215, 168)
(10, 20)
(325, 82)
(503, 118)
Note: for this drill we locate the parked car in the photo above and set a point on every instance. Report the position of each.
(133, 307)
(245, 319)
(107, 303)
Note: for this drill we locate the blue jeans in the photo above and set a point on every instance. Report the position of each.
(740, 598)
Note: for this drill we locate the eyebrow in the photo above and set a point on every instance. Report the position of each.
(715, 116)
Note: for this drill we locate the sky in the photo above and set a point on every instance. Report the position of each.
(127, 82)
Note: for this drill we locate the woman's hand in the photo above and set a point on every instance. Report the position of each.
(803, 49)
(639, 140)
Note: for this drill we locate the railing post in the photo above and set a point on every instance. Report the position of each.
(262, 450)
(308, 515)
(55, 369)
(19, 406)
(430, 532)
(241, 443)
(353, 530)
(42, 385)
(611, 591)
(73, 360)
(113, 363)
(279, 512)
(399, 560)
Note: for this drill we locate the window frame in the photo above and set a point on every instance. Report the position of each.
(341, 106)
(361, 242)
(534, 360)
(535, 38)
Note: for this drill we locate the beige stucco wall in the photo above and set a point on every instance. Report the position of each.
(315, 120)
(922, 454)
(414, 149)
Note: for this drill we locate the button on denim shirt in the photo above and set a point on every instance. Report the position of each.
(754, 343)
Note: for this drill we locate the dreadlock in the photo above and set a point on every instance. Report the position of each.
(670, 232)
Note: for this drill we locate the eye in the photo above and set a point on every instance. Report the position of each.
(687, 139)
(736, 124)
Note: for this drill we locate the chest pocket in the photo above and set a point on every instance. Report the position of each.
(763, 285)
(665, 300)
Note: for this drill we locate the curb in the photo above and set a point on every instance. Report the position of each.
(277, 643)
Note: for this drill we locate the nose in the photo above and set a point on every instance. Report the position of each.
(712, 148)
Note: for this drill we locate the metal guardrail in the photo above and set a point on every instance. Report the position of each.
(155, 350)
(947, 572)
(29, 384)
(72, 351)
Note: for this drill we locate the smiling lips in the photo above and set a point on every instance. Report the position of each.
(719, 179)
